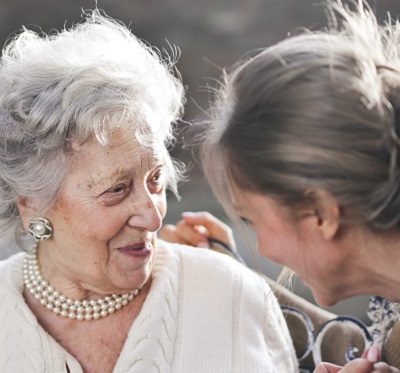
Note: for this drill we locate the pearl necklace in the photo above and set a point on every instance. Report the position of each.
(64, 306)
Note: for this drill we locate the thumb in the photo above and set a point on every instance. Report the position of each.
(327, 368)
(359, 366)
(168, 233)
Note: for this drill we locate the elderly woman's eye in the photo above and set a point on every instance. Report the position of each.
(156, 182)
(115, 194)
(117, 189)
(156, 177)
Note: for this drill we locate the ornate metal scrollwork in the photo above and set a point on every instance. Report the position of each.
(381, 312)
(315, 338)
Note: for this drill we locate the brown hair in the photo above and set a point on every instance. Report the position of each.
(317, 110)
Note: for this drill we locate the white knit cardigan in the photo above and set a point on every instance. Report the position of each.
(205, 313)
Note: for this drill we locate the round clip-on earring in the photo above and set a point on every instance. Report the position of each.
(40, 228)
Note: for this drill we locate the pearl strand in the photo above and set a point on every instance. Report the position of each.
(66, 307)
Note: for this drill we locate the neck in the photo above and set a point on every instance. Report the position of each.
(76, 281)
(376, 268)
(55, 301)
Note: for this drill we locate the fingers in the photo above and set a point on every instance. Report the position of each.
(192, 234)
(195, 228)
(213, 224)
(373, 354)
(183, 233)
(215, 227)
(327, 368)
(384, 368)
(356, 366)
(168, 233)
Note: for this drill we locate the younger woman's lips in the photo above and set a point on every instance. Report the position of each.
(142, 249)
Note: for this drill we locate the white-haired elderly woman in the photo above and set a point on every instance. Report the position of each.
(85, 116)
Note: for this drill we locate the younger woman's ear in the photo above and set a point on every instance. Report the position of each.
(327, 213)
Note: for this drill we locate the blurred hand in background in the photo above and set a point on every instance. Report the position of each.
(196, 228)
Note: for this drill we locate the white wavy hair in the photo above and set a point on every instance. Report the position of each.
(67, 87)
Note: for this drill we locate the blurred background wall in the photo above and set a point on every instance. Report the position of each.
(211, 34)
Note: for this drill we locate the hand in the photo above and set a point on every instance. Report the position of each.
(195, 228)
(356, 366)
(367, 364)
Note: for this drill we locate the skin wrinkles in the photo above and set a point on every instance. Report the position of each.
(100, 183)
(98, 186)
(91, 222)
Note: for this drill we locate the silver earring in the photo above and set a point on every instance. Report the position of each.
(40, 228)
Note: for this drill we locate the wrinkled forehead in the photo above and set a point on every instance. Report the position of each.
(146, 154)
(125, 149)
(142, 139)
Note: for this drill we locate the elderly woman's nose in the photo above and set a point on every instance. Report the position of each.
(146, 214)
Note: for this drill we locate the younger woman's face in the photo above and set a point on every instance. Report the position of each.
(295, 243)
(276, 234)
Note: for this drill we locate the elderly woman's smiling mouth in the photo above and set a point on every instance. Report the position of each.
(137, 250)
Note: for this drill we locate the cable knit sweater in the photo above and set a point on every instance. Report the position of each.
(205, 313)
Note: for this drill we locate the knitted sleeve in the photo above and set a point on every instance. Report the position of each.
(230, 319)
(279, 342)
(265, 342)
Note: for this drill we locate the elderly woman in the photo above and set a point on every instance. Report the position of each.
(304, 148)
(85, 117)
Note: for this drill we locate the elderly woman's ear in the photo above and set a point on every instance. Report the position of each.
(28, 209)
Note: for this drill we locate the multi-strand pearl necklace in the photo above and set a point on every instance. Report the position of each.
(64, 306)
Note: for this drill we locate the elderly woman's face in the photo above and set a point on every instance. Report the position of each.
(108, 212)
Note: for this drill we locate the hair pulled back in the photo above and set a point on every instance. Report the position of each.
(316, 110)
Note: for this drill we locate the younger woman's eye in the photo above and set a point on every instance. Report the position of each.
(246, 221)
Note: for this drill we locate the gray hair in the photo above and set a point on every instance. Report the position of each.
(317, 110)
(67, 87)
